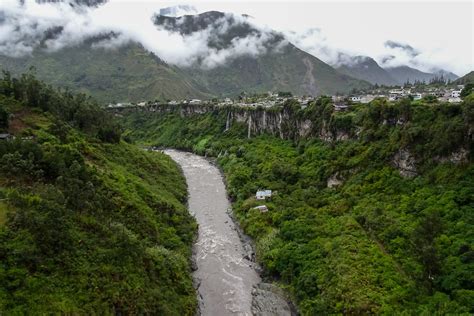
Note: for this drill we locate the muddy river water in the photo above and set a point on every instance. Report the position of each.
(226, 278)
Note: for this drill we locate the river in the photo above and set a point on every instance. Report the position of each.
(226, 278)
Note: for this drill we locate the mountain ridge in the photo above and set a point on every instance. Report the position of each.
(366, 68)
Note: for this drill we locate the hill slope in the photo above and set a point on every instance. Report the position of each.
(88, 224)
(467, 78)
(280, 67)
(128, 73)
(366, 68)
(403, 73)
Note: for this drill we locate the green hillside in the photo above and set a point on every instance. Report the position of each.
(128, 73)
(88, 223)
(346, 233)
(290, 69)
(467, 78)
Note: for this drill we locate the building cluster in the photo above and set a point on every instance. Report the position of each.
(263, 195)
(341, 102)
(267, 100)
(443, 94)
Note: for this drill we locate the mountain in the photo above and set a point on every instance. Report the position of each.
(467, 78)
(448, 75)
(88, 3)
(366, 68)
(128, 73)
(278, 65)
(237, 57)
(178, 10)
(403, 74)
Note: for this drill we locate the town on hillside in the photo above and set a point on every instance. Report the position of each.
(446, 93)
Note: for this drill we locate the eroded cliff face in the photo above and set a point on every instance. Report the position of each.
(281, 123)
(289, 124)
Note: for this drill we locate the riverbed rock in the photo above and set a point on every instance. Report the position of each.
(269, 300)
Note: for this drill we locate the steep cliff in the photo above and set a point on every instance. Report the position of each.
(413, 133)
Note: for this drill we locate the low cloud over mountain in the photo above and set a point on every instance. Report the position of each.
(29, 25)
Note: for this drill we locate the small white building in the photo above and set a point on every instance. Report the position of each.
(356, 99)
(263, 194)
(455, 100)
(340, 107)
(195, 101)
(417, 96)
(455, 93)
(261, 208)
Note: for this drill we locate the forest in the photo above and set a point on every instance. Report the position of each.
(347, 232)
(89, 224)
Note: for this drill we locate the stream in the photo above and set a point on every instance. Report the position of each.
(226, 277)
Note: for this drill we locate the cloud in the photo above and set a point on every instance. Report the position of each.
(315, 42)
(387, 54)
(26, 26)
(403, 47)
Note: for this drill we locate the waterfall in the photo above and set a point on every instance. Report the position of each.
(249, 125)
(227, 122)
(279, 125)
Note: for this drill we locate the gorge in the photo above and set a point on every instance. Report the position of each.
(226, 276)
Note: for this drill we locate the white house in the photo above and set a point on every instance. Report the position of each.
(355, 99)
(261, 208)
(340, 107)
(455, 93)
(454, 100)
(195, 101)
(417, 96)
(263, 194)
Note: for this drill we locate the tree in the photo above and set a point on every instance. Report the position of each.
(467, 90)
(3, 118)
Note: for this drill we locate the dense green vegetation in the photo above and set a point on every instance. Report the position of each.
(377, 242)
(88, 224)
(129, 73)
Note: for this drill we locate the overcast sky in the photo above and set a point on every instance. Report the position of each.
(423, 34)
(442, 31)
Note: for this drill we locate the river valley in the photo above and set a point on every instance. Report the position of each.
(226, 278)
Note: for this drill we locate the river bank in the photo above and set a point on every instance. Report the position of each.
(227, 277)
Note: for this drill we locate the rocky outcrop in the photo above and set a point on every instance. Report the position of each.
(269, 300)
(334, 180)
(285, 123)
(280, 123)
(404, 161)
(457, 157)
